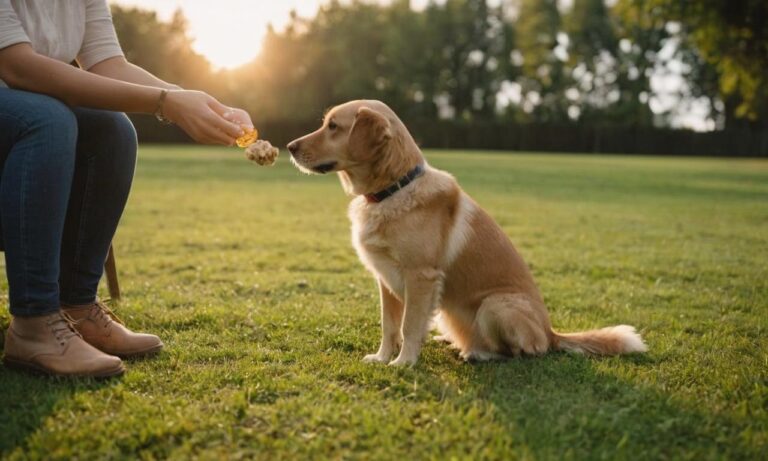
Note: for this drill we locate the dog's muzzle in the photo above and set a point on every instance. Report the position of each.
(324, 168)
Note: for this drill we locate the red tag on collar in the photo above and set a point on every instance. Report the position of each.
(370, 198)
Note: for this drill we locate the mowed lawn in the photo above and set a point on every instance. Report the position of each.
(248, 275)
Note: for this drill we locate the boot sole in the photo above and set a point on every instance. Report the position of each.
(154, 350)
(37, 369)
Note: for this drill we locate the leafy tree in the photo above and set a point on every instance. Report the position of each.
(594, 61)
(468, 48)
(544, 80)
(732, 37)
(641, 38)
(163, 48)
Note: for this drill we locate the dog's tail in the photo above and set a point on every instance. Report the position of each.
(621, 339)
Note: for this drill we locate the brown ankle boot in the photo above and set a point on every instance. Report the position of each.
(101, 328)
(51, 345)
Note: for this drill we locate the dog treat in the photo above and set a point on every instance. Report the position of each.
(262, 152)
(250, 137)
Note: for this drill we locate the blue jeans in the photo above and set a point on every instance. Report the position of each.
(66, 174)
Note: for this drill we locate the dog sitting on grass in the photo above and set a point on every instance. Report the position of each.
(432, 248)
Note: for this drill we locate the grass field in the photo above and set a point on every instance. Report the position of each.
(248, 275)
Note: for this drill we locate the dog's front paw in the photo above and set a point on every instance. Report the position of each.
(375, 358)
(402, 361)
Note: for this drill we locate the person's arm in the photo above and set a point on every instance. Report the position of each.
(195, 112)
(23, 68)
(119, 68)
(100, 53)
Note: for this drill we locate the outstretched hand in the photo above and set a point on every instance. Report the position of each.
(239, 117)
(202, 117)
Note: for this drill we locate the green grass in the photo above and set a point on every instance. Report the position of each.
(248, 275)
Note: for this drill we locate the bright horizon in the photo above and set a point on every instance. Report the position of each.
(229, 33)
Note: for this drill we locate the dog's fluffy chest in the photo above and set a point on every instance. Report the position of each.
(406, 231)
(374, 249)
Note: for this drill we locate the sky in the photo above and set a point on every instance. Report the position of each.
(230, 32)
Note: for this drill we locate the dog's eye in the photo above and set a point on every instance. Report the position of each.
(332, 125)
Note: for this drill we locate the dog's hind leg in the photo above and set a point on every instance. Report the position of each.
(451, 330)
(443, 334)
(508, 325)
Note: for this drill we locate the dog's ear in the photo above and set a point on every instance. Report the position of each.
(371, 132)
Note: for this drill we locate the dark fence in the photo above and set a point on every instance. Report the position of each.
(620, 139)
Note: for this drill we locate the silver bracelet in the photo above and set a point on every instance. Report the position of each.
(159, 111)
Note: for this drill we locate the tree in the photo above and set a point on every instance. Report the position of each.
(594, 61)
(641, 38)
(163, 48)
(732, 37)
(544, 80)
(468, 46)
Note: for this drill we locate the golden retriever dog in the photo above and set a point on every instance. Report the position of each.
(434, 250)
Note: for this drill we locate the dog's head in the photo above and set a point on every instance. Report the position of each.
(362, 140)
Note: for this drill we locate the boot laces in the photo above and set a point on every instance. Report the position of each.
(101, 312)
(63, 327)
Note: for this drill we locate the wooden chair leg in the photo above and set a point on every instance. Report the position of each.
(110, 268)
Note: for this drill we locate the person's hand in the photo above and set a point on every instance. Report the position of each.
(201, 117)
(239, 117)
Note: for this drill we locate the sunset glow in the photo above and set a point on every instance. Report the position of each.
(228, 33)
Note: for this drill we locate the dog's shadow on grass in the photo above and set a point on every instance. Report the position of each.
(565, 406)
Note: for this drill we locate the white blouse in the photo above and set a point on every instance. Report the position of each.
(65, 30)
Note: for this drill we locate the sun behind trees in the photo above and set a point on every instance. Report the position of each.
(522, 61)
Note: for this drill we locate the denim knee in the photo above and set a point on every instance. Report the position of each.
(110, 135)
(55, 127)
(125, 141)
(52, 119)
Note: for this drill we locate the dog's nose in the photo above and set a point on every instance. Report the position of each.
(293, 147)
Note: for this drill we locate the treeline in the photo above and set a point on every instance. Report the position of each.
(473, 62)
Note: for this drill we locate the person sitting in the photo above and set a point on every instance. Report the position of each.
(68, 154)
